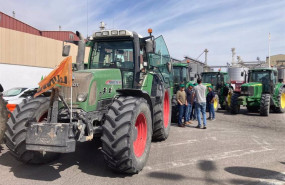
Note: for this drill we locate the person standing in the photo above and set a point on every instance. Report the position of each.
(189, 92)
(182, 102)
(1, 88)
(200, 94)
(210, 103)
(193, 115)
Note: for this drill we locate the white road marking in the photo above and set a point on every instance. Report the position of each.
(215, 157)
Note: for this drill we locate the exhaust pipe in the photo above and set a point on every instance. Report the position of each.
(81, 51)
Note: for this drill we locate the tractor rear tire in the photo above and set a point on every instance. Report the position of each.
(162, 118)
(34, 109)
(127, 133)
(264, 105)
(235, 107)
(3, 117)
(281, 101)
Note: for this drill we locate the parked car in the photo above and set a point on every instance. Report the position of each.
(16, 95)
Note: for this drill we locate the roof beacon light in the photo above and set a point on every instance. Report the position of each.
(149, 31)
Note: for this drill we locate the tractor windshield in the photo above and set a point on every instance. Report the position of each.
(259, 76)
(179, 75)
(117, 54)
(210, 78)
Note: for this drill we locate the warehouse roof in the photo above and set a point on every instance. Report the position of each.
(12, 23)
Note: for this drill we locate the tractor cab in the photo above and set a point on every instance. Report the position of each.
(216, 79)
(265, 77)
(180, 75)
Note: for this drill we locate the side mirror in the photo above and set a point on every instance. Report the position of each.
(169, 66)
(150, 46)
(242, 73)
(65, 50)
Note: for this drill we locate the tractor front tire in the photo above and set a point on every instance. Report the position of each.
(162, 118)
(264, 105)
(3, 117)
(235, 107)
(34, 109)
(281, 101)
(127, 133)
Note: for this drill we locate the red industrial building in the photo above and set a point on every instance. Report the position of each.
(9, 22)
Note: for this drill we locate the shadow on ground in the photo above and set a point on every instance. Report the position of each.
(88, 157)
(256, 173)
(167, 176)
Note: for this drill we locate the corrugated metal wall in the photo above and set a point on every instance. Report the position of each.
(14, 24)
(31, 50)
(60, 35)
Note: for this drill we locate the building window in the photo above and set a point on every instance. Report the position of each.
(71, 36)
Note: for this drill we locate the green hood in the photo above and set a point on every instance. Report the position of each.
(251, 84)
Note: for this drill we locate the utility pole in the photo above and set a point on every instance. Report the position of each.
(206, 56)
(269, 38)
(233, 55)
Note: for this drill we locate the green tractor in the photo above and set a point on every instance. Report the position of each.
(221, 86)
(262, 92)
(123, 98)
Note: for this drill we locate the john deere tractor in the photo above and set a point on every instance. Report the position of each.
(123, 98)
(221, 86)
(262, 92)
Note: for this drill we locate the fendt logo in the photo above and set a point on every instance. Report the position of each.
(75, 84)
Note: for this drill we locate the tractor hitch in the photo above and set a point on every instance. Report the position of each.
(51, 137)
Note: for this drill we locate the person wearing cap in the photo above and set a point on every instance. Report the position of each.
(210, 103)
(182, 103)
(200, 94)
(189, 91)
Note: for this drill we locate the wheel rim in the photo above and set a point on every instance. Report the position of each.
(229, 99)
(166, 109)
(140, 142)
(215, 103)
(283, 100)
(43, 116)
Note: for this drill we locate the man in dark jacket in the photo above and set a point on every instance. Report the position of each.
(210, 103)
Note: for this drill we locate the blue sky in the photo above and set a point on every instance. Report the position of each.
(188, 26)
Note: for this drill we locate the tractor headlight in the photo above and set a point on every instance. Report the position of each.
(81, 97)
(122, 32)
(105, 33)
(114, 32)
(98, 34)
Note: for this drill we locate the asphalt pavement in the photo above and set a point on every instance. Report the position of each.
(234, 149)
